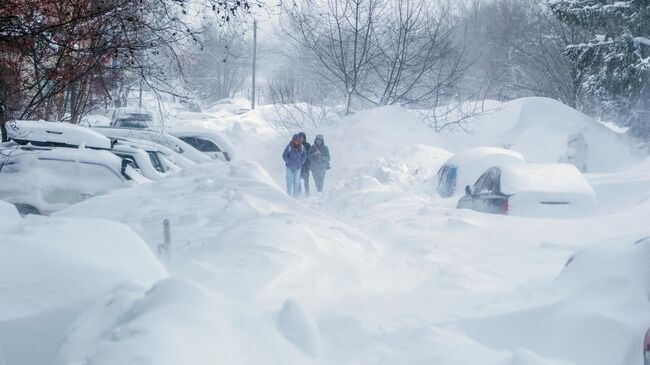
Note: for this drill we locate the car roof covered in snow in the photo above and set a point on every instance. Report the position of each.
(471, 163)
(26, 154)
(127, 110)
(543, 177)
(158, 137)
(51, 132)
(471, 155)
(219, 138)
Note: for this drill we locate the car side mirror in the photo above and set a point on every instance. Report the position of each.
(468, 190)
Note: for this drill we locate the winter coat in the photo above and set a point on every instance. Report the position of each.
(305, 166)
(319, 162)
(294, 158)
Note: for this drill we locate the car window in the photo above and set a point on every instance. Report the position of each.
(97, 178)
(478, 185)
(206, 145)
(201, 144)
(494, 186)
(157, 162)
(129, 160)
(60, 182)
(442, 175)
(191, 141)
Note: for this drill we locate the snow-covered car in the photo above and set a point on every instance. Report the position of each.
(150, 163)
(532, 190)
(41, 180)
(164, 139)
(212, 143)
(144, 158)
(174, 160)
(577, 152)
(132, 117)
(466, 166)
(49, 134)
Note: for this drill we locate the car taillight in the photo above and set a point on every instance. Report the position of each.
(226, 155)
(505, 207)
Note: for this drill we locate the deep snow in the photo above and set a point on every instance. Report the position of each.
(377, 270)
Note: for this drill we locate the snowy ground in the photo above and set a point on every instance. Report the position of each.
(377, 270)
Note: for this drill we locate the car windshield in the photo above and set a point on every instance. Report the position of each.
(201, 144)
(157, 162)
(137, 116)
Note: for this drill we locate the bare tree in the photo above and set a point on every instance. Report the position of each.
(418, 59)
(219, 68)
(340, 35)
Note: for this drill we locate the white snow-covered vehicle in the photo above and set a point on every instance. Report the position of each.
(150, 163)
(466, 166)
(164, 139)
(212, 143)
(173, 159)
(132, 117)
(41, 180)
(49, 134)
(532, 190)
(145, 157)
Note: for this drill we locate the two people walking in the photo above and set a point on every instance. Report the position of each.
(301, 158)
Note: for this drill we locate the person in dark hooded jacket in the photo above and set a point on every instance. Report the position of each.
(319, 159)
(304, 172)
(294, 157)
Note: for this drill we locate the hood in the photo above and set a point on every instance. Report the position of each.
(319, 137)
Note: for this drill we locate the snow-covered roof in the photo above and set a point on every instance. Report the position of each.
(50, 132)
(126, 111)
(158, 137)
(543, 177)
(541, 128)
(491, 154)
(214, 136)
(473, 162)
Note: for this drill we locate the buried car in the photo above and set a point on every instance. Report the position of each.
(131, 117)
(211, 143)
(41, 180)
(466, 166)
(163, 139)
(532, 190)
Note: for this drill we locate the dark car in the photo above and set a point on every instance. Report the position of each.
(486, 196)
(532, 190)
(126, 117)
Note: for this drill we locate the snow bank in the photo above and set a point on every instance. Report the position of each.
(600, 316)
(541, 128)
(88, 257)
(65, 133)
(234, 231)
(51, 268)
(176, 322)
(8, 215)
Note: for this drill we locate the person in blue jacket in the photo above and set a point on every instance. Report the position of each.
(294, 157)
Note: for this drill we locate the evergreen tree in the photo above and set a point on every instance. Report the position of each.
(616, 62)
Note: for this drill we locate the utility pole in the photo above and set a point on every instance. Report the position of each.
(254, 62)
(140, 94)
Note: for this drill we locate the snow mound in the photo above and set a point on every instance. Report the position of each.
(541, 128)
(234, 231)
(47, 263)
(8, 215)
(176, 322)
(583, 325)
